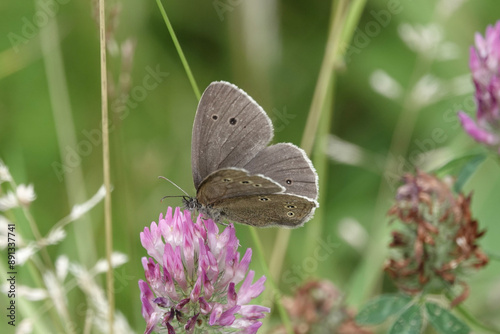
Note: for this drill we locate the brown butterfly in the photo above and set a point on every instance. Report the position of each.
(238, 178)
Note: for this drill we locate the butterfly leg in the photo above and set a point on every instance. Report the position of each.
(223, 224)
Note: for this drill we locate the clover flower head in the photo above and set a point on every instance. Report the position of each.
(318, 307)
(485, 67)
(437, 244)
(192, 276)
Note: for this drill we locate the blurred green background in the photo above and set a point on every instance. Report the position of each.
(271, 49)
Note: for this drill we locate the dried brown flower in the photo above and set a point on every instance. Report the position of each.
(317, 307)
(437, 245)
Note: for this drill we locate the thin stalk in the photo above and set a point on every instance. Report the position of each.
(474, 322)
(343, 17)
(351, 22)
(276, 292)
(321, 163)
(66, 137)
(326, 71)
(360, 287)
(75, 186)
(105, 166)
(179, 50)
(324, 123)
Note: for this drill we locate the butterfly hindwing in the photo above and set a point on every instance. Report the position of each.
(289, 166)
(267, 210)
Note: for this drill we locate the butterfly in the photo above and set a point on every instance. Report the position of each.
(237, 176)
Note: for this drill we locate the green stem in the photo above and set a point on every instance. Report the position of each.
(74, 181)
(326, 72)
(106, 166)
(321, 162)
(474, 322)
(313, 118)
(493, 256)
(276, 292)
(343, 23)
(376, 250)
(179, 50)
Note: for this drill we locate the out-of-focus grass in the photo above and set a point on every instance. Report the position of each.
(153, 137)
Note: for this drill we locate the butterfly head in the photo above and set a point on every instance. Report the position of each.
(190, 203)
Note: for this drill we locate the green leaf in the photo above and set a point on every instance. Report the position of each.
(379, 309)
(454, 166)
(445, 322)
(467, 171)
(409, 322)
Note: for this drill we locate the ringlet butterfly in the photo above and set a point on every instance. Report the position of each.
(238, 178)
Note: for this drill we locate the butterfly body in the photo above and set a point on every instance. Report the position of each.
(238, 177)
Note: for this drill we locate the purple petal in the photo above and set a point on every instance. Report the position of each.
(188, 248)
(171, 329)
(215, 315)
(474, 61)
(203, 260)
(162, 302)
(151, 241)
(152, 322)
(168, 316)
(208, 288)
(240, 273)
(169, 285)
(146, 298)
(480, 45)
(182, 303)
(218, 243)
(252, 329)
(173, 262)
(494, 91)
(477, 133)
(204, 306)
(227, 317)
(232, 297)
(253, 312)
(195, 293)
(191, 323)
(248, 291)
(147, 264)
(206, 262)
(200, 228)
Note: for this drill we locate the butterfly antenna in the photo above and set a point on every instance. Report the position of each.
(163, 177)
(161, 200)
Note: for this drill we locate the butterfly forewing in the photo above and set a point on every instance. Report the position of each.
(229, 129)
